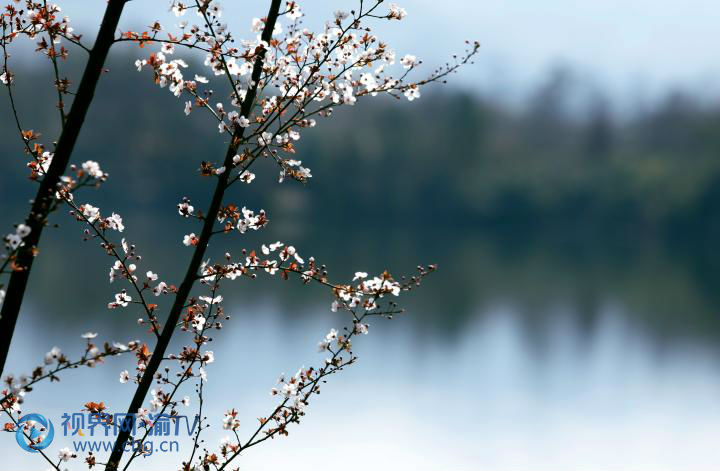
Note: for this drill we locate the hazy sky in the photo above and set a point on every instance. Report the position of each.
(628, 46)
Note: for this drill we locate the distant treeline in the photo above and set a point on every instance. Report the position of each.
(451, 160)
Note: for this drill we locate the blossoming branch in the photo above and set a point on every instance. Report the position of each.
(282, 81)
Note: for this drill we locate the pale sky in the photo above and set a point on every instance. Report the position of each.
(627, 46)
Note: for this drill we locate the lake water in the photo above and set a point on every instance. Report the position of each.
(536, 354)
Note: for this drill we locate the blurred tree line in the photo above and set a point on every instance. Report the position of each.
(534, 203)
(450, 161)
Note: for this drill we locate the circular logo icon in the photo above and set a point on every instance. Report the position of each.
(39, 433)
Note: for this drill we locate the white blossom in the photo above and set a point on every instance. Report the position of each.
(294, 12)
(92, 168)
(396, 12)
(90, 212)
(6, 78)
(230, 420)
(265, 139)
(216, 300)
(23, 230)
(360, 328)
(52, 355)
(198, 322)
(189, 239)
(179, 8)
(160, 288)
(122, 299)
(208, 356)
(185, 209)
(13, 241)
(408, 61)
(412, 93)
(289, 389)
(246, 176)
(65, 454)
(115, 222)
(257, 25)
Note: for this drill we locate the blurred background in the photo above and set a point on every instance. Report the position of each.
(567, 184)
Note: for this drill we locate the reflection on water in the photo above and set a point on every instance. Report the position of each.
(537, 355)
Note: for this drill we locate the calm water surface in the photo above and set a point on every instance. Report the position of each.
(542, 356)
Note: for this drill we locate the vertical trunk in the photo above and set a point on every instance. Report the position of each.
(192, 271)
(42, 202)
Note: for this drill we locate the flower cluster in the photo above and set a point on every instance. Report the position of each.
(15, 240)
(230, 421)
(282, 80)
(43, 23)
(55, 361)
(303, 74)
(242, 219)
(295, 392)
(39, 21)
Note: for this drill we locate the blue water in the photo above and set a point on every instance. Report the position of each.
(488, 396)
